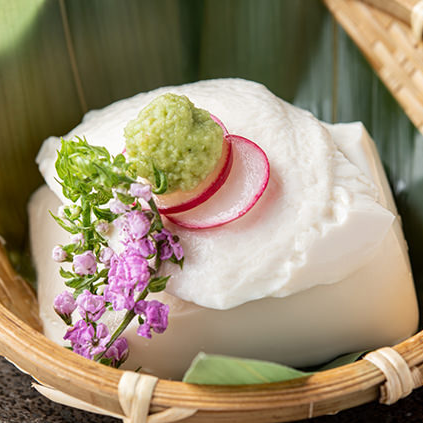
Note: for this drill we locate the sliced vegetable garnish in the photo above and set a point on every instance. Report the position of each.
(244, 186)
(180, 201)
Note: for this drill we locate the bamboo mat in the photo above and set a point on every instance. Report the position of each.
(391, 49)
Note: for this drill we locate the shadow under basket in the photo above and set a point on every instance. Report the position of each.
(97, 386)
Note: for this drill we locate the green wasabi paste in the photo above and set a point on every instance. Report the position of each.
(179, 139)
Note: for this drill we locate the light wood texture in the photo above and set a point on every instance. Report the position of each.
(16, 295)
(323, 393)
(401, 9)
(390, 48)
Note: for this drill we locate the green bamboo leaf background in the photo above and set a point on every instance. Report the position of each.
(60, 58)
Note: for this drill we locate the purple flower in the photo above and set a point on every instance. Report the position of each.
(78, 239)
(118, 351)
(64, 305)
(59, 254)
(80, 331)
(87, 340)
(144, 246)
(106, 255)
(102, 227)
(100, 340)
(141, 191)
(128, 273)
(116, 206)
(85, 263)
(90, 306)
(134, 226)
(144, 330)
(155, 315)
(169, 245)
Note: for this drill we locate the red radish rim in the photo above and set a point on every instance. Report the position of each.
(234, 138)
(214, 186)
(219, 122)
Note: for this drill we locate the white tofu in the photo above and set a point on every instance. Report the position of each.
(317, 268)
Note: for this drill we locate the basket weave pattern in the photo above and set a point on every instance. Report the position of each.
(390, 48)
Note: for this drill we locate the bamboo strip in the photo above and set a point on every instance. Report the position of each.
(27, 307)
(389, 47)
(401, 9)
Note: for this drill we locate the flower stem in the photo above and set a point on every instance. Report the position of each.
(130, 314)
(86, 222)
(153, 206)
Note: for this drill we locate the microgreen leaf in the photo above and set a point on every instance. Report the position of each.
(66, 274)
(73, 229)
(161, 181)
(104, 214)
(119, 160)
(103, 273)
(126, 199)
(106, 361)
(158, 284)
(75, 282)
(180, 262)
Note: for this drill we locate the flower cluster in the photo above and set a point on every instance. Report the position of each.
(105, 276)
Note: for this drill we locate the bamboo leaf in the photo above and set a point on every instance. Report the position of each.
(222, 370)
(209, 369)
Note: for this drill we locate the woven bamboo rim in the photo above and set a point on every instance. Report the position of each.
(323, 393)
(383, 33)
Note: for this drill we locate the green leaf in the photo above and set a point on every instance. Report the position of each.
(119, 160)
(66, 274)
(75, 282)
(70, 248)
(180, 262)
(101, 197)
(73, 229)
(126, 199)
(161, 181)
(104, 214)
(209, 369)
(222, 370)
(106, 361)
(341, 361)
(103, 273)
(158, 284)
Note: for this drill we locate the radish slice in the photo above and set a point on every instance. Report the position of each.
(246, 183)
(219, 122)
(180, 201)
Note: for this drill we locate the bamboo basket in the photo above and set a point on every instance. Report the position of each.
(328, 392)
(395, 52)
